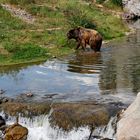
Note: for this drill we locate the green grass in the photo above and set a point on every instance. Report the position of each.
(114, 4)
(25, 42)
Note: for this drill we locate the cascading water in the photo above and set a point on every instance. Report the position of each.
(40, 129)
(108, 131)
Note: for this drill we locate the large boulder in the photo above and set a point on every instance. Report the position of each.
(16, 132)
(132, 8)
(128, 128)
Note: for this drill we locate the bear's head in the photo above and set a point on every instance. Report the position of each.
(73, 33)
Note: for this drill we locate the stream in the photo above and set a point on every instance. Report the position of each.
(110, 76)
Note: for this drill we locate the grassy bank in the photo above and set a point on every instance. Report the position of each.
(46, 37)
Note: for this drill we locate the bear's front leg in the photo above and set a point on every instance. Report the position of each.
(83, 44)
(78, 45)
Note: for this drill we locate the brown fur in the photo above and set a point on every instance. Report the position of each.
(86, 37)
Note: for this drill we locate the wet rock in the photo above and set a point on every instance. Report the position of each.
(70, 115)
(3, 100)
(132, 7)
(16, 132)
(29, 94)
(26, 109)
(2, 91)
(50, 95)
(23, 97)
(2, 121)
(3, 128)
(128, 128)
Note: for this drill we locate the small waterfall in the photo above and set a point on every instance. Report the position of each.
(40, 129)
(108, 131)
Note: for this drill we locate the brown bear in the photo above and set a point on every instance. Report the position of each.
(86, 37)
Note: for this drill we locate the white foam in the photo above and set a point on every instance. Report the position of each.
(40, 129)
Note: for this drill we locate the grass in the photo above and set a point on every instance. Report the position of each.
(25, 42)
(114, 4)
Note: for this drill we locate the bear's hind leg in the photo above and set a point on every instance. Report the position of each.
(93, 45)
(96, 45)
(99, 44)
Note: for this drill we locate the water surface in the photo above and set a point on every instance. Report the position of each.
(113, 74)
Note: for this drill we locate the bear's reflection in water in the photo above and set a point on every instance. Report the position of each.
(85, 62)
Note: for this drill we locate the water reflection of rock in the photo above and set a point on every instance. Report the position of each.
(122, 69)
(85, 62)
(108, 77)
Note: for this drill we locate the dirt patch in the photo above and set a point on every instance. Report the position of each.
(3, 51)
(20, 13)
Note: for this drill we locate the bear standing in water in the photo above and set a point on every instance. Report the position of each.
(86, 36)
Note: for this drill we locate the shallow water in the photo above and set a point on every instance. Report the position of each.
(114, 74)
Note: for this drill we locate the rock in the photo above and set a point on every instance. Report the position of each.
(2, 91)
(128, 128)
(29, 94)
(16, 132)
(134, 24)
(73, 115)
(132, 7)
(50, 95)
(128, 16)
(3, 128)
(2, 121)
(26, 109)
(19, 12)
(3, 100)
